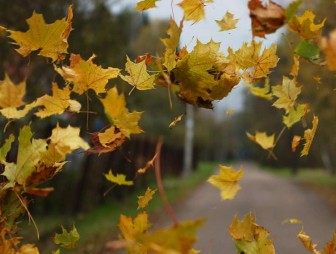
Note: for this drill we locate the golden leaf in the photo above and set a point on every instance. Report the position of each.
(307, 242)
(295, 68)
(49, 39)
(138, 75)
(114, 103)
(262, 139)
(57, 103)
(107, 141)
(262, 92)
(309, 136)
(227, 22)
(266, 19)
(194, 9)
(266, 61)
(144, 200)
(119, 179)
(287, 94)
(175, 121)
(295, 114)
(86, 75)
(145, 5)
(304, 25)
(128, 123)
(226, 181)
(11, 95)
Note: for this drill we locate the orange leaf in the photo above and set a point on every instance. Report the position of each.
(144, 200)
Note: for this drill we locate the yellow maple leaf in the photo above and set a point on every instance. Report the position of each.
(329, 48)
(262, 92)
(138, 75)
(249, 237)
(305, 26)
(114, 103)
(265, 62)
(226, 181)
(145, 5)
(262, 139)
(227, 22)
(295, 114)
(309, 136)
(144, 200)
(287, 94)
(109, 136)
(67, 139)
(11, 95)
(57, 103)
(119, 179)
(128, 123)
(49, 39)
(194, 9)
(247, 56)
(86, 75)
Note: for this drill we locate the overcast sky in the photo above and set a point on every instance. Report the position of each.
(207, 29)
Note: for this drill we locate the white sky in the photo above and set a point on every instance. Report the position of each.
(208, 29)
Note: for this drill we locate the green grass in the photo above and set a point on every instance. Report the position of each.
(313, 176)
(100, 225)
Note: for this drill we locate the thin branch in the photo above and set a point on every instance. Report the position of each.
(159, 183)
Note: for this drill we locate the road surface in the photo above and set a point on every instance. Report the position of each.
(272, 199)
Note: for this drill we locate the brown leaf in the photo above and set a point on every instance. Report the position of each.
(265, 19)
(41, 192)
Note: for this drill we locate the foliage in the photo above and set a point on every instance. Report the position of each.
(199, 77)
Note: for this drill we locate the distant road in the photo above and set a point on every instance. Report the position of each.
(272, 199)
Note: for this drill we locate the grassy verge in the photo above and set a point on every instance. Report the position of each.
(318, 180)
(100, 225)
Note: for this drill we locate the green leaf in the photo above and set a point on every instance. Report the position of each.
(292, 9)
(307, 50)
(67, 239)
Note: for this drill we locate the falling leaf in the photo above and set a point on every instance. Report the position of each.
(67, 139)
(107, 141)
(119, 179)
(145, 5)
(307, 242)
(262, 92)
(41, 192)
(296, 65)
(292, 221)
(6, 148)
(247, 56)
(328, 46)
(308, 50)
(227, 22)
(148, 165)
(305, 26)
(114, 103)
(174, 31)
(309, 136)
(128, 123)
(229, 112)
(295, 142)
(130, 228)
(266, 61)
(86, 75)
(295, 114)
(144, 200)
(67, 239)
(226, 181)
(28, 249)
(287, 94)
(49, 39)
(262, 139)
(175, 121)
(249, 237)
(292, 9)
(330, 247)
(266, 19)
(138, 75)
(11, 95)
(194, 9)
(57, 103)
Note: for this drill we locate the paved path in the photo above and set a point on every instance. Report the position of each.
(273, 199)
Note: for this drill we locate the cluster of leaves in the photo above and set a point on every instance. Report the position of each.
(198, 77)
